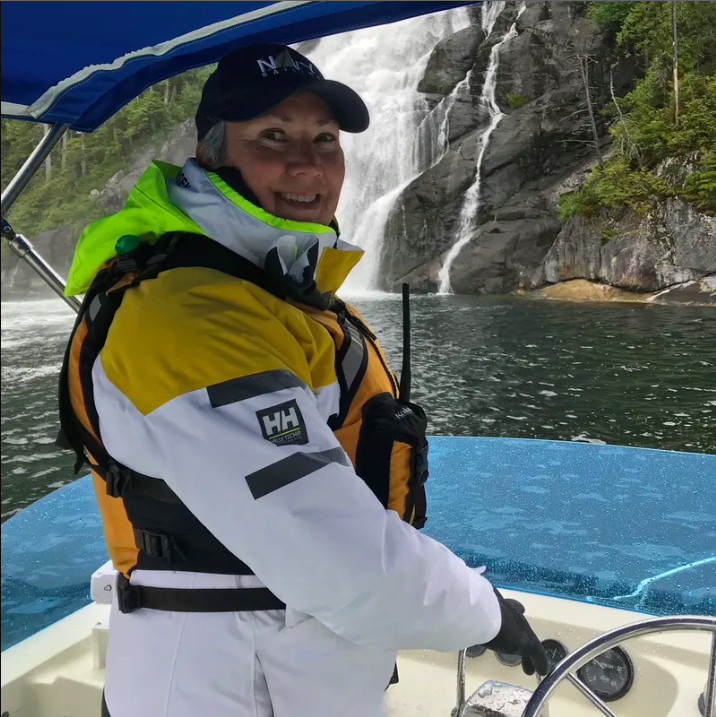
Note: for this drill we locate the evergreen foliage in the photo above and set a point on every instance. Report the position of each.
(644, 127)
(83, 162)
(515, 100)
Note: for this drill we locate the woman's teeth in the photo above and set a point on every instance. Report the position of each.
(305, 198)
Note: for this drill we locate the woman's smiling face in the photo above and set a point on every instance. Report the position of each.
(291, 159)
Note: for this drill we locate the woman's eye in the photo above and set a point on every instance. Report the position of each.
(326, 137)
(274, 135)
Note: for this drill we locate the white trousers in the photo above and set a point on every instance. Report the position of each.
(248, 664)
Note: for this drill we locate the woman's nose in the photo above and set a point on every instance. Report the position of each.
(303, 160)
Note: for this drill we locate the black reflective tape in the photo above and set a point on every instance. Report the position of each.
(290, 469)
(258, 384)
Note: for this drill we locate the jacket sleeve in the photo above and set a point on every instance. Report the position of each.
(255, 461)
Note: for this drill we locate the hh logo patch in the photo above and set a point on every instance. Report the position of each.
(283, 425)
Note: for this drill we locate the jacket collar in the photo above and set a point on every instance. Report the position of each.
(297, 249)
(167, 199)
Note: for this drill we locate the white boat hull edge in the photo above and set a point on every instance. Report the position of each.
(59, 672)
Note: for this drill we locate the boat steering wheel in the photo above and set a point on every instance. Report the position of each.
(606, 641)
(534, 702)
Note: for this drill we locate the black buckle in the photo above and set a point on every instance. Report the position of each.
(126, 264)
(117, 479)
(127, 596)
(420, 464)
(155, 545)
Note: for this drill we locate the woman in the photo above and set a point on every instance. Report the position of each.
(259, 479)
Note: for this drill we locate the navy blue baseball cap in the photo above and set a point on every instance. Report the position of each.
(251, 80)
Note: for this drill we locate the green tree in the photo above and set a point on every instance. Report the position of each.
(611, 15)
(647, 129)
(84, 162)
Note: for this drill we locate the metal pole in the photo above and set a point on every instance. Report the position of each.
(710, 691)
(24, 249)
(33, 163)
(460, 684)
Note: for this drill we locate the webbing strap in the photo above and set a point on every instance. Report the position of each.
(137, 597)
(173, 250)
(183, 250)
(119, 479)
(351, 363)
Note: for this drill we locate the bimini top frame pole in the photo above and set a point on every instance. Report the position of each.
(24, 249)
(17, 242)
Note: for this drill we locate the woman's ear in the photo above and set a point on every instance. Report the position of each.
(201, 156)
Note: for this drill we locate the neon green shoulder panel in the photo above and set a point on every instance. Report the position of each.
(148, 213)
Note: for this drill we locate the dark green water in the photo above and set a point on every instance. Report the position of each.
(627, 374)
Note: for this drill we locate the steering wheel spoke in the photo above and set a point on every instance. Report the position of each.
(591, 696)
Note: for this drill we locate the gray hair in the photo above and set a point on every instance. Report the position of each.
(214, 144)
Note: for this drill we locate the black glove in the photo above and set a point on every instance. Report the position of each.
(516, 637)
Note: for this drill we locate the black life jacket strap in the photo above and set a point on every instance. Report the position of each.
(177, 250)
(351, 362)
(416, 501)
(118, 479)
(136, 597)
(72, 435)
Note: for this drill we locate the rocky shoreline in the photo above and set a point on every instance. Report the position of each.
(700, 292)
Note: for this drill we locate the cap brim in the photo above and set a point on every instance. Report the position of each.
(348, 108)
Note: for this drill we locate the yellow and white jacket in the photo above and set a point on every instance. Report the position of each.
(224, 392)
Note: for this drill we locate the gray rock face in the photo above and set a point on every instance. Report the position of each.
(179, 145)
(503, 255)
(451, 60)
(702, 291)
(540, 141)
(673, 244)
(55, 246)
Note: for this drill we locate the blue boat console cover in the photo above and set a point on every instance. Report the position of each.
(624, 527)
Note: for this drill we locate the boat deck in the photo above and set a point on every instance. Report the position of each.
(60, 670)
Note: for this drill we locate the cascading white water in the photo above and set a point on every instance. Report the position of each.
(384, 65)
(488, 102)
(14, 274)
(490, 12)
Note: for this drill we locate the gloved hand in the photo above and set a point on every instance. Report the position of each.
(516, 637)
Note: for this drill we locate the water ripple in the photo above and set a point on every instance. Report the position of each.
(483, 366)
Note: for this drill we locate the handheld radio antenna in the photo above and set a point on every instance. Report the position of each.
(405, 377)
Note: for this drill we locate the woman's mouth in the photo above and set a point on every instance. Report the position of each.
(299, 200)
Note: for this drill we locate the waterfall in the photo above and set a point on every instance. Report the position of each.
(384, 65)
(490, 12)
(488, 102)
(14, 273)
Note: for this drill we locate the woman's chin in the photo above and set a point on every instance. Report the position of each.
(313, 216)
